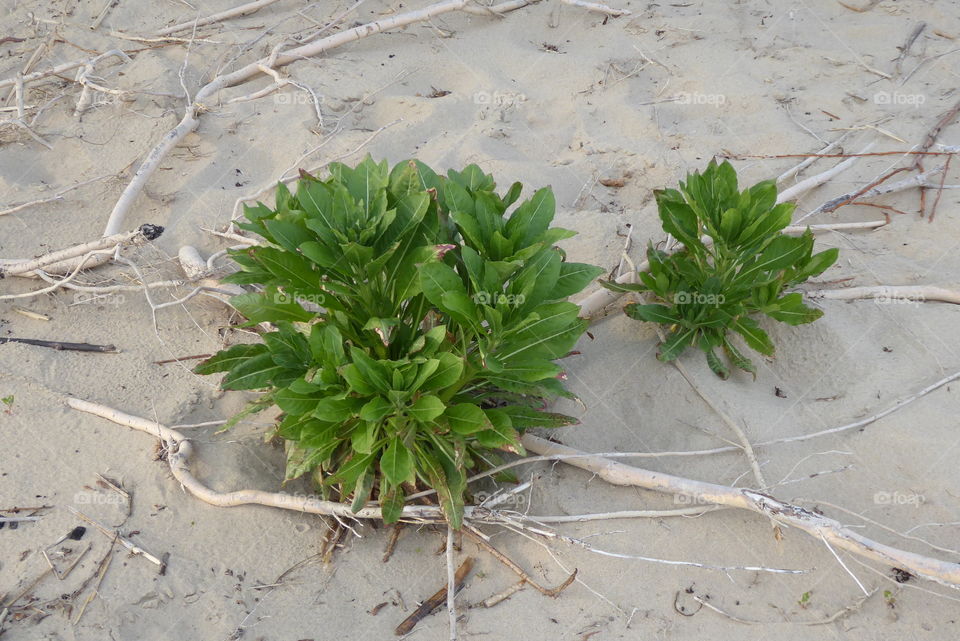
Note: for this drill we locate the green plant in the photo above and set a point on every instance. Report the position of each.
(416, 327)
(708, 289)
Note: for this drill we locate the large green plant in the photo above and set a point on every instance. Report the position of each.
(709, 289)
(416, 327)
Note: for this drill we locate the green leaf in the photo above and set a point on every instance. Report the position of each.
(755, 337)
(573, 278)
(227, 359)
(376, 409)
(531, 218)
(448, 372)
(287, 234)
(256, 373)
(372, 371)
(466, 418)
(676, 342)
(337, 410)
(269, 307)
(391, 503)
(793, 312)
(396, 463)
(716, 365)
(502, 433)
(426, 409)
(361, 493)
(739, 360)
(522, 417)
(652, 313)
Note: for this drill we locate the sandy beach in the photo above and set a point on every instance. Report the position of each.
(604, 110)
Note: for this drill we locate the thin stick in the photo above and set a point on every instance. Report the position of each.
(890, 294)
(790, 173)
(101, 572)
(802, 187)
(18, 519)
(67, 66)
(436, 600)
(125, 542)
(500, 556)
(452, 586)
(61, 345)
(942, 572)
(501, 596)
(103, 14)
(241, 10)
(50, 199)
(598, 7)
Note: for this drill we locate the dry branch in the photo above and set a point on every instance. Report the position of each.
(241, 10)
(818, 526)
(890, 294)
(180, 450)
(59, 261)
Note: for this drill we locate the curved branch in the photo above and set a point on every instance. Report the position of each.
(816, 525)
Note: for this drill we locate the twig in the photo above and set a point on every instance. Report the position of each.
(61, 345)
(59, 69)
(125, 542)
(452, 586)
(920, 180)
(435, 601)
(49, 199)
(890, 294)
(802, 187)
(103, 14)
(180, 359)
(793, 171)
(18, 519)
(905, 49)
(140, 236)
(597, 7)
(240, 10)
(500, 556)
(501, 596)
(101, 572)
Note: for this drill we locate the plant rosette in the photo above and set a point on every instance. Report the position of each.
(416, 327)
(709, 290)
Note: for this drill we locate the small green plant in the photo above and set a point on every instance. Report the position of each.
(805, 599)
(709, 289)
(416, 327)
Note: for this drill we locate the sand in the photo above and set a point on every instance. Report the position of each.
(548, 95)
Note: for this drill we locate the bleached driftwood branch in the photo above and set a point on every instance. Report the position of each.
(180, 449)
